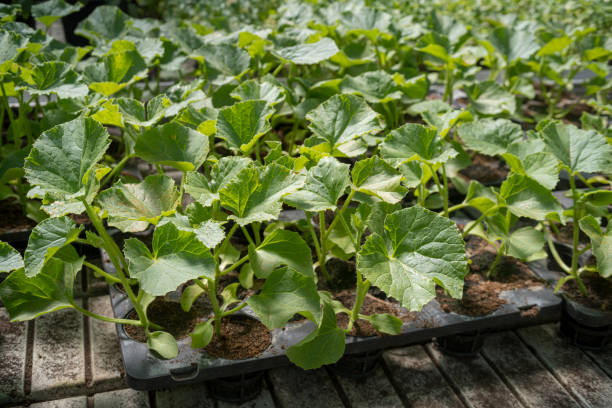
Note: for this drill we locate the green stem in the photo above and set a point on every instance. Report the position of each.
(350, 234)
(235, 265)
(277, 70)
(159, 169)
(106, 318)
(448, 87)
(100, 272)
(340, 212)
(212, 295)
(360, 294)
(479, 220)
(445, 181)
(247, 236)
(562, 281)
(443, 192)
(256, 226)
(576, 234)
(234, 310)
(9, 112)
(323, 240)
(554, 253)
(498, 257)
(317, 246)
(118, 261)
(115, 170)
(457, 207)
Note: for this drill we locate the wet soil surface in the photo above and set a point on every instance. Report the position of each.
(371, 305)
(481, 294)
(12, 219)
(599, 292)
(241, 337)
(167, 314)
(485, 169)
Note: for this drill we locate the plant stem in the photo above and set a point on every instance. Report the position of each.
(445, 190)
(441, 189)
(498, 257)
(457, 207)
(448, 87)
(234, 310)
(554, 253)
(277, 70)
(212, 296)
(99, 271)
(235, 265)
(159, 169)
(576, 234)
(256, 228)
(360, 294)
(323, 240)
(115, 170)
(118, 261)
(247, 236)
(317, 246)
(106, 318)
(479, 220)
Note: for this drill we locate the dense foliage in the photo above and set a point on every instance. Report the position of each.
(361, 115)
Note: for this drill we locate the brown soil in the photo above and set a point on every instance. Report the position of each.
(167, 314)
(12, 219)
(566, 234)
(481, 294)
(599, 291)
(485, 169)
(371, 305)
(241, 337)
(341, 275)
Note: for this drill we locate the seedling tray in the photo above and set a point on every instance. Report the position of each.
(144, 371)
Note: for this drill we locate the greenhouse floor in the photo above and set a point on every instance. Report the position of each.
(67, 360)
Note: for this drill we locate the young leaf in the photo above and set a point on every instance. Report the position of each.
(325, 184)
(601, 243)
(374, 86)
(132, 207)
(105, 23)
(63, 159)
(325, 345)
(415, 142)
(525, 197)
(163, 344)
(418, 250)
(543, 167)
(10, 259)
(202, 334)
(243, 124)
(375, 177)
(256, 193)
(52, 289)
(206, 190)
(311, 53)
(514, 43)
(55, 77)
(285, 293)
(526, 244)
(339, 121)
(134, 112)
(227, 59)
(490, 136)
(174, 145)
(579, 150)
(385, 323)
(189, 295)
(46, 239)
(281, 247)
(49, 11)
(177, 257)
(489, 98)
(209, 232)
(115, 71)
(253, 90)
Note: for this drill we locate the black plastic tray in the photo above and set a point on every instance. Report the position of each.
(146, 372)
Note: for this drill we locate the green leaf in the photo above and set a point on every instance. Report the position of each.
(311, 53)
(105, 23)
(577, 149)
(285, 293)
(514, 43)
(206, 190)
(325, 184)
(10, 259)
(444, 122)
(209, 232)
(256, 193)
(281, 247)
(339, 121)
(163, 344)
(490, 136)
(227, 59)
(11, 45)
(374, 86)
(174, 145)
(543, 167)
(189, 295)
(133, 111)
(243, 124)
(601, 244)
(385, 323)
(132, 207)
(325, 345)
(202, 334)
(254, 90)
(49, 11)
(55, 77)
(526, 244)
(177, 257)
(63, 160)
(525, 197)
(375, 177)
(415, 142)
(490, 98)
(480, 197)
(115, 71)
(555, 45)
(46, 239)
(52, 289)
(418, 250)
